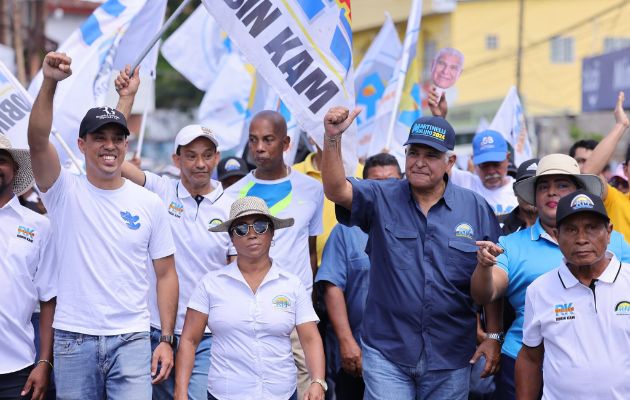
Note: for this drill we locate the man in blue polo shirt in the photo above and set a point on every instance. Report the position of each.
(507, 269)
(419, 325)
(343, 273)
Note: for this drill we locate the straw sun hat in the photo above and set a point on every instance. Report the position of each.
(23, 179)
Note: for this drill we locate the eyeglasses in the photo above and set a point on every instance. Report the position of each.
(260, 227)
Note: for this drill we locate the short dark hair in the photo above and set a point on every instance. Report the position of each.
(380, 160)
(588, 144)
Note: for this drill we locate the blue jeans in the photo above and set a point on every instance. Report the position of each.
(387, 380)
(102, 367)
(198, 385)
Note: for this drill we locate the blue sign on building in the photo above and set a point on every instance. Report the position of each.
(603, 77)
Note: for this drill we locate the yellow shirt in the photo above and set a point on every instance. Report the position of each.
(329, 219)
(618, 208)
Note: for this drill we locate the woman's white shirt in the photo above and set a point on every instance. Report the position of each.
(251, 345)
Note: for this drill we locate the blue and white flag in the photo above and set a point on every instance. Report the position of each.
(371, 79)
(303, 49)
(198, 49)
(401, 103)
(510, 122)
(94, 49)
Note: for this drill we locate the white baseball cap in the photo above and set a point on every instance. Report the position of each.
(191, 132)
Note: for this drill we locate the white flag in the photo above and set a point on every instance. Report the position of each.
(510, 122)
(371, 78)
(303, 49)
(93, 48)
(400, 105)
(198, 49)
(224, 106)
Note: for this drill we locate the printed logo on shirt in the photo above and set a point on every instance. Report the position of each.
(564, 311)
(622, 308)
(26, 233)
(281, 302)
(214, 222)
(464, 230)
(175, 209)
(581, 201)
(130, 220)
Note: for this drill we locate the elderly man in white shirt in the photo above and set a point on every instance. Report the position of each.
(576, 332)
(26, 277)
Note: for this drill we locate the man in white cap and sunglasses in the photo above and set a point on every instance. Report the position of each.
(195, 203)
(26, 278)
(507, 269)
(105, 228)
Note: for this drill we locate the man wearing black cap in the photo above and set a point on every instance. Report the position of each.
(230, 170)
(420, 321)
(524, 214)
(577, 316)
(104, 228)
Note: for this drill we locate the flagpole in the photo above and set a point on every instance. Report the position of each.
(159, 34)
(415, 14)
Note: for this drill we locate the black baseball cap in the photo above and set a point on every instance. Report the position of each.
(527, 169)
(432, 131)
(231, 166)
(98, 117)
(577, 202)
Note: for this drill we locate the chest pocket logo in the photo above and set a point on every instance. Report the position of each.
(26, 233)
(281, 302)
(622, 308)
(130, 220)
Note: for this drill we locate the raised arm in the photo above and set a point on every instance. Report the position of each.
(127, 87)
(336, 187)
(603, 152)
(44, 158)
(488, 282)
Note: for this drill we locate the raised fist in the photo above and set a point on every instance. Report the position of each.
(56, 66)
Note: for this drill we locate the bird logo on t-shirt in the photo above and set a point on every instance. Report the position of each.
(131, 220)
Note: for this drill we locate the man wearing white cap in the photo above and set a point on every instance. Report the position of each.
(25, 278)
(507, 269)
(195, 203)
(105, 228)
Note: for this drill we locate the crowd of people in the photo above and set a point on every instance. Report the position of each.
(299, 282)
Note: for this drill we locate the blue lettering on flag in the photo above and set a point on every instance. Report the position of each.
(90, 30)
(311, 7)
(113, 7)
(341, 50)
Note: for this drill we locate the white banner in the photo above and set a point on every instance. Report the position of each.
(198, 49)
(371, 78)
(93, 49)
(303, 49)
(400, 105)
(510, 122)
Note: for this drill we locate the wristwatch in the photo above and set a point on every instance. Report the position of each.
(320, 382)
(170, 339)
(498, 336)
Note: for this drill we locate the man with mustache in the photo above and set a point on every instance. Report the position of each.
(491, 158)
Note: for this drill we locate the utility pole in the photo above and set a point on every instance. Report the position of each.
(37, 43)
(18, 42)
(519, 51)
(5, 22)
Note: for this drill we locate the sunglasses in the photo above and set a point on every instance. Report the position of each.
(260, 227)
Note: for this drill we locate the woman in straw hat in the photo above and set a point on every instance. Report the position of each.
(251, 306)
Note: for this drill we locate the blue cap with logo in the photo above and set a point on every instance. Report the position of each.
(435, 132)
(489, 146)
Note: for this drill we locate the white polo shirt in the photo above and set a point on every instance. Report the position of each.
(502, 199)
(296, 196)
(586, 333)
(199, 251)
(102, 238)
(26, 277)
(251, 346)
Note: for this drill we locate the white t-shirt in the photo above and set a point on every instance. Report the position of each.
(586, 333)
(296, 196)
(102, 238)
(199, 251)
(251, 345)
(26, 277)
(502, 199)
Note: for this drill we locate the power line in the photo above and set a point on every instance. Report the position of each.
(547, 38)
